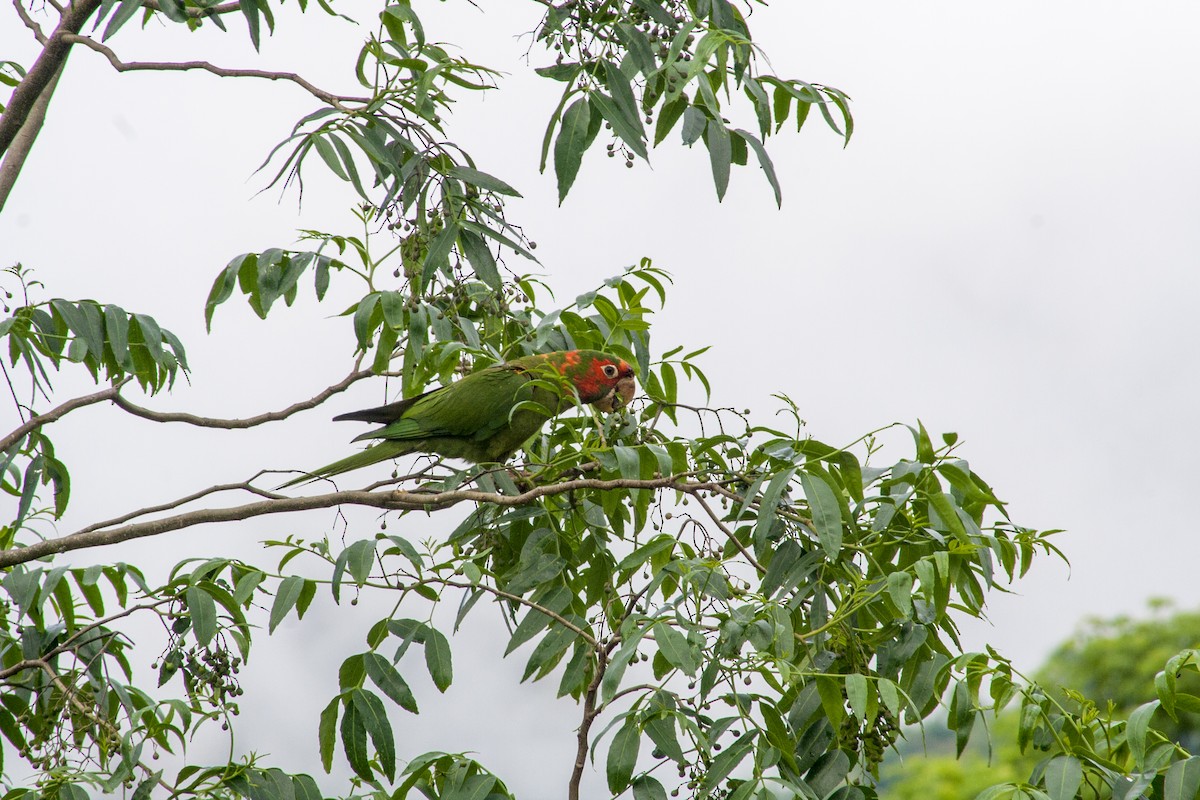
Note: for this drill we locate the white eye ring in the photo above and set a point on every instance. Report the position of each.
(610, 371)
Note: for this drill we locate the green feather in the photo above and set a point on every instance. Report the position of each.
(484, 417)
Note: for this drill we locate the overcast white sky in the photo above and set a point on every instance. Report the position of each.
(1007, 249)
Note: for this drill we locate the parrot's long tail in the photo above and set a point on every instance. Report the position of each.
(374, 454)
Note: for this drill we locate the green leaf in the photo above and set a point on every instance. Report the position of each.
(483, 180)
(560, 72)
(856, 695)
(374, 718)
(360, 558)
(116, 327)
(694, 123)
(620, 661)
(899, 586)
(250, 12)
(720, 154)
(1062, 777)
(285, 598)
(303, 786)
(435, 258)
(643, 554)
(572, 141)
(947, 511)
(622, 756)
(555, 600)
(325, 732)
(1138, 729)
(481, 259)
(437, 659)
(764, 161)
(638, 47)
(826, 512)
(728, 760)
(1182, 781)
(962, 716)
(123, 14)
(630, 131)
(661, 731)
(622, 95)
(767, 507)
(647, 788)
(354, 742)
(203, 611)
(676, 648)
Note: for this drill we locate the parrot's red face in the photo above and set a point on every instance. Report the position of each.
(604, 381)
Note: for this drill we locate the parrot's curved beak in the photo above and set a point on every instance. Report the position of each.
(619, 396)
(623, 395)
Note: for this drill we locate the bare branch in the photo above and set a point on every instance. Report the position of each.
(59, 412)
(249, 422)
(329, 98)
(29, 23)
(191, 498)
(395, 501)
(43, 70)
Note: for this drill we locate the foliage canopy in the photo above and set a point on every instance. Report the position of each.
(737, 609)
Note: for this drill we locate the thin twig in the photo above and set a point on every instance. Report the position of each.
(141, 512)
(394, 501)
(559, 618)
(335, 100)
(731, 535)
(57, 413)
(249, 422)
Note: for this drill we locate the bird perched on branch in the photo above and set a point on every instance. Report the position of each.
(487, 415)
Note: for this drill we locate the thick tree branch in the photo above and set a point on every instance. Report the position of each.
(167, 66)
(57, 413)
(249, 422)
(47, 65)
(18, 151)
(395, 501)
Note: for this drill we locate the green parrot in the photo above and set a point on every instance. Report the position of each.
(478, 419)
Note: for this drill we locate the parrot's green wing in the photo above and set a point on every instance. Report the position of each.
(487, 415)
(476, 418)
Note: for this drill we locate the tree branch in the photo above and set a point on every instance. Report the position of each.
(328, 98)
(38, 33)
(18, 151)
(249, 422)
(731, 535)
(47, 65)
(585, 725)
(395, 501)
(559, 618)
(141, 512)
(59, 412)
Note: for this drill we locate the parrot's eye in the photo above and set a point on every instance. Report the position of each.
(609, 371)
